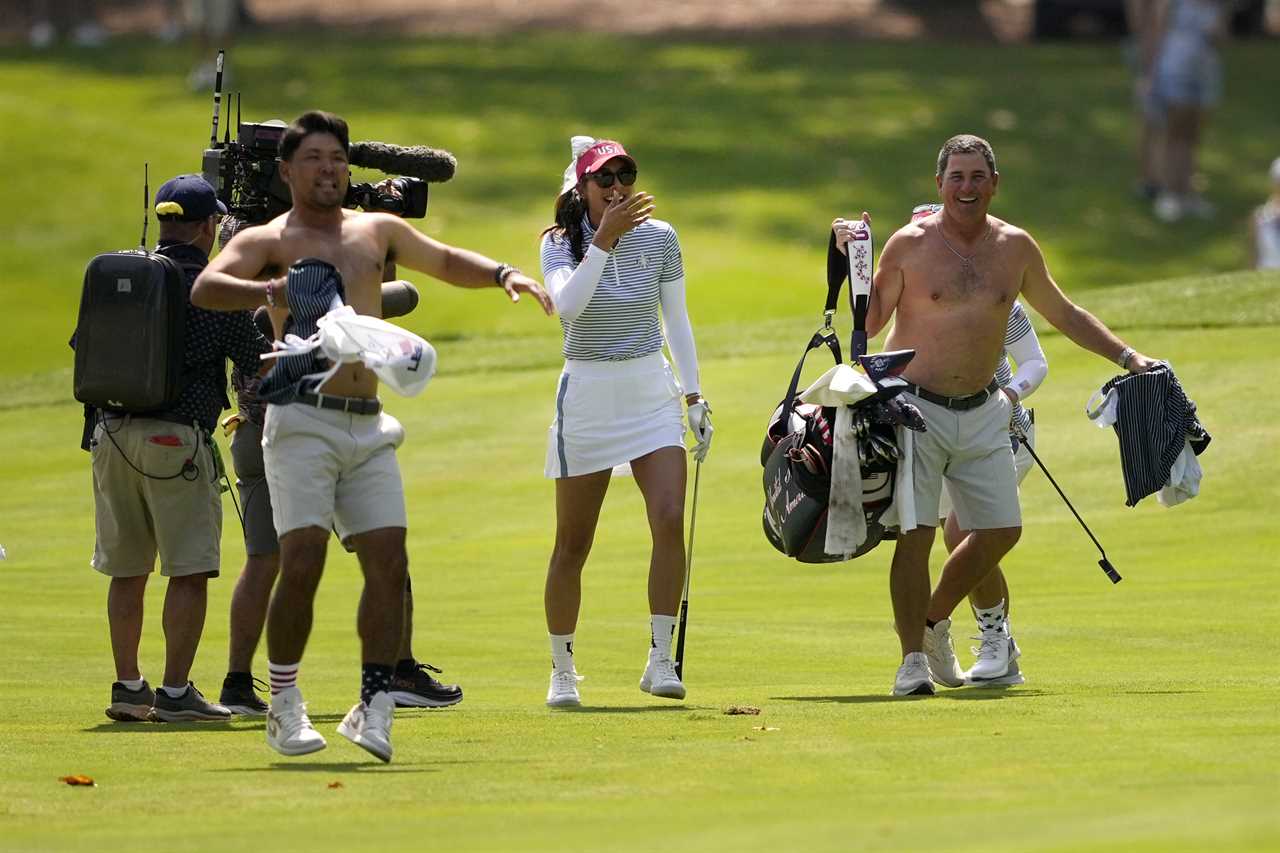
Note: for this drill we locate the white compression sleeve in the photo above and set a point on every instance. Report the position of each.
(679, 333)
(1032, 365)
(571, 290)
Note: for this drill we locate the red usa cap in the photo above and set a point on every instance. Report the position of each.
(599, 154)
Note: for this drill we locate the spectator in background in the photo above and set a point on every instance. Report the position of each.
(1139, 16)
(1264, 226)
(1182, 80)
(74, 18)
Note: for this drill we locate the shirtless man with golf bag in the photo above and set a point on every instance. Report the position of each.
(953, 279)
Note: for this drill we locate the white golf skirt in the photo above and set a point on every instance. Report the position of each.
(610, 412)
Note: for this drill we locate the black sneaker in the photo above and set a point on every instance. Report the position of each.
(417, 689)
(189, 706)
(239, 697)
(131, 706)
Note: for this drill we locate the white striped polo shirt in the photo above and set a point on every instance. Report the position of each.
(1019, 328)
(621, 320)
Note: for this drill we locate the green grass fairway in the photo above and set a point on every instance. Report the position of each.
(1149, 718)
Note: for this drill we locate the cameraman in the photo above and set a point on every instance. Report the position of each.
(412, 685)
(175, 507)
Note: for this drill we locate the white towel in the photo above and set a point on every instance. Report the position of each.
(846, 523)
(902, 512)
(1184, 478)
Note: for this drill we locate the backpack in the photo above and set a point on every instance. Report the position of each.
(131, 332)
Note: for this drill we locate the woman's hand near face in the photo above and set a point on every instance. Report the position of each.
(620, 217)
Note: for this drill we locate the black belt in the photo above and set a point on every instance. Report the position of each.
(350, 405)
(180, 420)
(962, 404)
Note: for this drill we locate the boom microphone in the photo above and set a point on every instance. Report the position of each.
(428, 164)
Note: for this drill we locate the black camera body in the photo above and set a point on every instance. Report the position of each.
(245, 175)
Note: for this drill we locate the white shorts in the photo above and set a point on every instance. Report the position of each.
(1022, 463)
(610, 412)
(327, 468)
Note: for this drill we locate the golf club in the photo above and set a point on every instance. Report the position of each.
(1104, 563)
(688, 571)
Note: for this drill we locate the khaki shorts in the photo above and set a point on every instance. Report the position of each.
(255, 494)
(328, 468)
(137, 517)
(1022, 464)
(971, 450)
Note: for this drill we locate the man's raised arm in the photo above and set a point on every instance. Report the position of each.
(459, 267)
(1086, 330)
(228, 284)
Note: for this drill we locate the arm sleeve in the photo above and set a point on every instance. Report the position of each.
(675, 317)
(1023, 347)
(571, 285)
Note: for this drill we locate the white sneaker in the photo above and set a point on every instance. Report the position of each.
(1010, 679)
(660, 679)
(563, 692)
(913, 676)
(289, 729)
(942, 655)
(996, 652)
(369, 726)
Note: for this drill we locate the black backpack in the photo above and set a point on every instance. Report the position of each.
(130, 339)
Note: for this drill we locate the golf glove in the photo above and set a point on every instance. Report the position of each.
(700, 425)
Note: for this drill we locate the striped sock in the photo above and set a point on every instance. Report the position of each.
(282, 675)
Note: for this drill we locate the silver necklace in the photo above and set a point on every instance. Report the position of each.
(967, 261)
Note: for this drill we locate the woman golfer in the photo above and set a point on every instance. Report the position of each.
(611, 270)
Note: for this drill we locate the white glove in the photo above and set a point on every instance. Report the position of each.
(700, 425)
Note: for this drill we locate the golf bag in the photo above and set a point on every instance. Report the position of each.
(798, 448)
(131, 332)
(797, 457)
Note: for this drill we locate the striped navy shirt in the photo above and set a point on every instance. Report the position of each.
(1019, 328)
(621, 321)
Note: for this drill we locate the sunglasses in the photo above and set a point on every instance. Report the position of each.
(604, 178)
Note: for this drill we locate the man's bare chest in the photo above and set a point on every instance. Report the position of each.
(983, 279)
(359, 258)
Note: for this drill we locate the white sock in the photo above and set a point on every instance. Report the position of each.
(282, 676)
(174, 692)
(136, 684)
(562, 652)
(661, 630)
(990, 618)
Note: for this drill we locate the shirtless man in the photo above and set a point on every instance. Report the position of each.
(952, 278)
(330, 457)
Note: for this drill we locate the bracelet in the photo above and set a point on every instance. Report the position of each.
(271, 293)
(1123, 358)
(501, 273)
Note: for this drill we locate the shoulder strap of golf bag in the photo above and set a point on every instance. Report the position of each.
(818, 341)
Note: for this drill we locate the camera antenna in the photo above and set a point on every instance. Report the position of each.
(146, 195)
(239, 101)
(217, 96)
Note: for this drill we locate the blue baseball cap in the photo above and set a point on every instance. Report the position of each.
(189, 198)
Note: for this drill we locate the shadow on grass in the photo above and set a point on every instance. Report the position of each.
(628, 709)
(237, 724)
(331, 767)
(974, 694)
